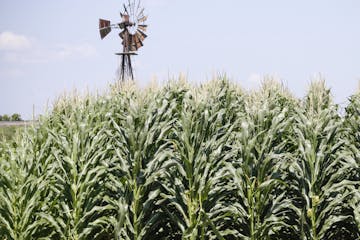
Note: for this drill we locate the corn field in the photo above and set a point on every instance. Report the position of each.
(184, 162)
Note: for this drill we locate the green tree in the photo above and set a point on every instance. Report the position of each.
(16, 117)
(5, 117)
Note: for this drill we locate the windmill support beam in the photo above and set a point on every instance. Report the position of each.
(126, 70)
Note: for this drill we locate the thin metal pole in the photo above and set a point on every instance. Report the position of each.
(130, 67)
(122, 74)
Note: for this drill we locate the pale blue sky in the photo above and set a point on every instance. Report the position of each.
(48, 47)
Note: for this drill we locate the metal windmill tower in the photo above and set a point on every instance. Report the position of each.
(133, 34)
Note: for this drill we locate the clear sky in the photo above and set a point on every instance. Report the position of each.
(48, 47)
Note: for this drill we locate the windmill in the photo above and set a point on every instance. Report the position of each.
(132, 33)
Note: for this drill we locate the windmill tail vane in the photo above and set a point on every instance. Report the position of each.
(133, 28)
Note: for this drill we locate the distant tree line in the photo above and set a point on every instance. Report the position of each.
(13, 117)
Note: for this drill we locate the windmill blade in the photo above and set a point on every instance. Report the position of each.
(103, 23)
(104, 32)
(135, 38)
(141, 13)
(142, 27)
(137, 42)
(126, 9)
(142, 19)
(138, 34)
(139, 45)
(141, 35)
(138, 6)
(104, 27)
(131, 7)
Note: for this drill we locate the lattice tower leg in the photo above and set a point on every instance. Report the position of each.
(126, 70)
